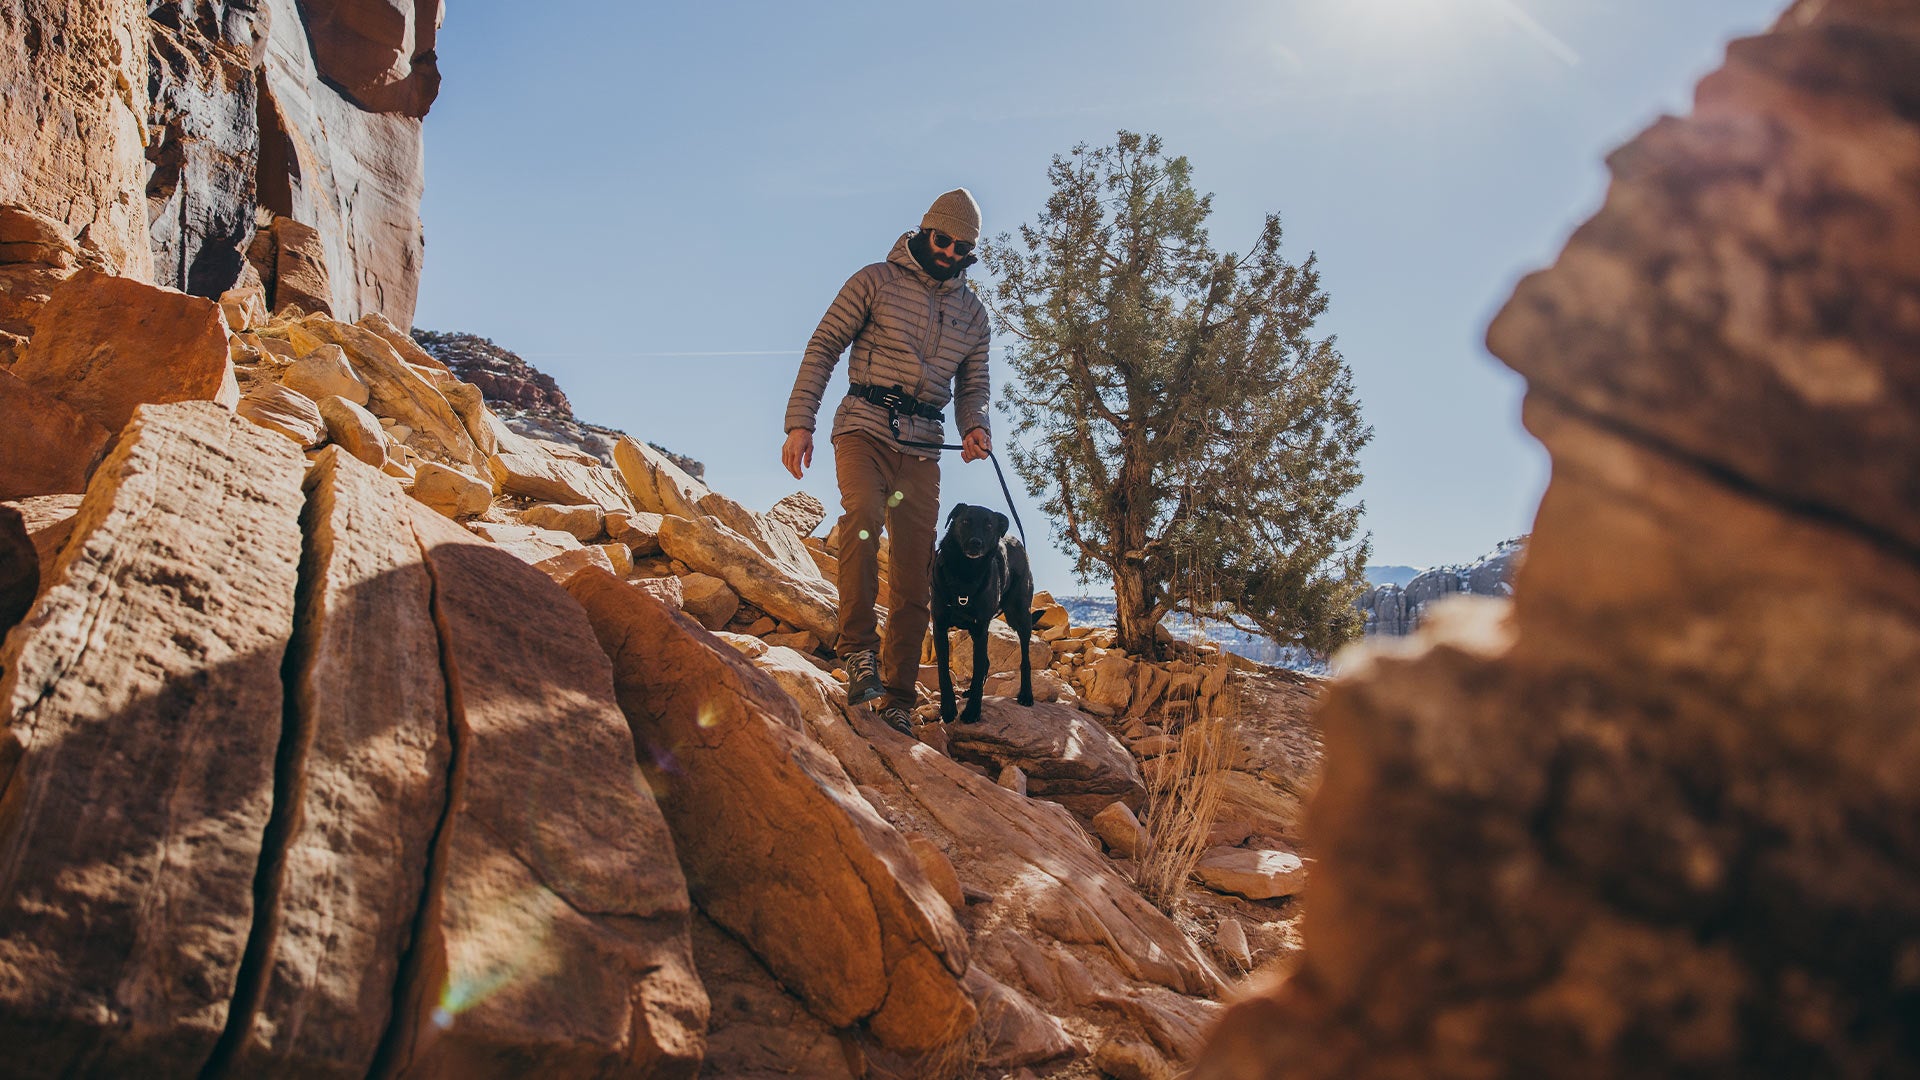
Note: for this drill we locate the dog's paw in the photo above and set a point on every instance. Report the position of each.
(971, 715)
(1025, 698)
(947, 713)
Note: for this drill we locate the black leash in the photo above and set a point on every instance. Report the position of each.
(893, 421)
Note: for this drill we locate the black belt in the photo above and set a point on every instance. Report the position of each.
(897, 400)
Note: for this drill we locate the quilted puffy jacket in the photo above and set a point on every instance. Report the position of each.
(928, 337)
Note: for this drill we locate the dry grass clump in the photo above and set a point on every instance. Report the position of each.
(1184, 792)
(1185, 787)
(959, 1058)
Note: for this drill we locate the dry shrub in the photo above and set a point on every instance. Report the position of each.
(1185, 787)
(1184, 791)
(959, 1058)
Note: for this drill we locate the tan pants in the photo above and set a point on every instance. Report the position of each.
(881, 484)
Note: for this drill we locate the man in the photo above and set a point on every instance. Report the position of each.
(919, 338)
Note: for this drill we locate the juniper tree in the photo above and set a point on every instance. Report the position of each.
(1174, 410)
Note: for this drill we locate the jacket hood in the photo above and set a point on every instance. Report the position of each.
(903, 257)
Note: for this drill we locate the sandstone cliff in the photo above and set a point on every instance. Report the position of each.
(208, 144)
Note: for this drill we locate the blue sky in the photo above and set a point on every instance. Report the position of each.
(654, 203)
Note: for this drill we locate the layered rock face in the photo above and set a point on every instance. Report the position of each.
(507, 381)
(1657, 817)
(173, 140)
(1396, 610)
(73, 115)
(528, 400)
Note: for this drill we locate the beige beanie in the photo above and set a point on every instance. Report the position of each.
(955, 214)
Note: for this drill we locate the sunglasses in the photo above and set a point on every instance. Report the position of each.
(942, 240)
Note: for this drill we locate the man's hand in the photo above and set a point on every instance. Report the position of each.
(976, 445)
(797, 454)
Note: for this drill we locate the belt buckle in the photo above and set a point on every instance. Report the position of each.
(896, 400)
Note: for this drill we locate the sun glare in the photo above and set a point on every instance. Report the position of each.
(1378, 44)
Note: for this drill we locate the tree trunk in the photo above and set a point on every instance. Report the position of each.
(1135, 611)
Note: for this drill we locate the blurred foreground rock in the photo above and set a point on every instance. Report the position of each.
(1656, 819)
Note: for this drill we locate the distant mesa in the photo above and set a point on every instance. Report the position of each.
(527, 399)
(1394, 608)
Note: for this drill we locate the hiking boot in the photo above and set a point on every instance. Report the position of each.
(899, 718)
(863, 678)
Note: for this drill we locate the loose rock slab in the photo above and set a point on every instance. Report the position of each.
(143, 702)
(539, 475)
(711, 547)
(289, 412)
(658, 485)
(1067, 757)
(106, 344)
(779, 846)
(1256, 875)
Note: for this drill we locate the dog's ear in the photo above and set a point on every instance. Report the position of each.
(955, 512)
(1000, 523)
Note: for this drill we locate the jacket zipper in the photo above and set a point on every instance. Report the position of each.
(939, 331)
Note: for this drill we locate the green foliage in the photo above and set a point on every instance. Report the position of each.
(1173, 408)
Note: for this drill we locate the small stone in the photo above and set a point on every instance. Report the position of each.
(1154, 746)
(666, 588)
(743, 644)
(286, 411)
(800, 512)
(1232, 938)
(355, 429)
(525, 542)
(1121, 831)
(762, 626)
(1130, 1060)
(1228, 833)
(568, 563)
(619, 557)
(803, 640)
(584, 520)
(708, 599)
(244, 308)
(652, 566)
(325, 372)
(1013, 779)
(449, 491)
(639, 530)
(399, 433)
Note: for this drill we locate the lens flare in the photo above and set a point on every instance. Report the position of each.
(517, 950)
(864, 535)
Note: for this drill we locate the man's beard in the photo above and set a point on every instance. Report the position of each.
(923, 254)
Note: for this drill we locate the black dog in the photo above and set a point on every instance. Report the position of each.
(979, 572)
